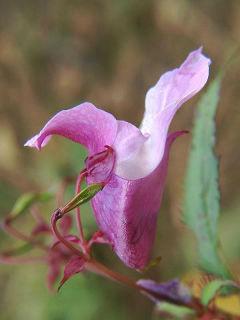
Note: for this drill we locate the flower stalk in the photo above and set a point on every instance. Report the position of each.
(79, 181)
(55, 217)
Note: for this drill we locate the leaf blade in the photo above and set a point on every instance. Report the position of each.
(26, 200)
(202, 197)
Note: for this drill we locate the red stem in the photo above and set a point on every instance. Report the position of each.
(55, 217)
(98, 268)
(20, 236)
(20, 260)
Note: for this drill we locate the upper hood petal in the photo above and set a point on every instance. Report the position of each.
(85, 124)
(162, 102)
(176, 86)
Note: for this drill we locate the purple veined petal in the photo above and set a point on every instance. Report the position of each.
(162, 102)
(173, 290)
(84, 124)
(126, 211)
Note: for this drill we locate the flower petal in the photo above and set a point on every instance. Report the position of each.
(84, 124)
(173, 290)
(129, 141)
(162, 102)
(176, 87)
(126, 211)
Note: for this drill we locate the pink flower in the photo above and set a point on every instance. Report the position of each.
(132, 161)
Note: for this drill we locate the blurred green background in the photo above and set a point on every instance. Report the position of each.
(56, 54)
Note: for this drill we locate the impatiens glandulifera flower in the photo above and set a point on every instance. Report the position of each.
(130, 161)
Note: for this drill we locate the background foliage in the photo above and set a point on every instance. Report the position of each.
(56, 54)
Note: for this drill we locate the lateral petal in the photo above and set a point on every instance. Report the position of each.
(84, 124)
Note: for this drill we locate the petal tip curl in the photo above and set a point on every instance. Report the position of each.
(200, 51)
(172, 90)
(32, 143)
(37, 142)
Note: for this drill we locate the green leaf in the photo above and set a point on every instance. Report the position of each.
(82, 197)
(25, 201)
(201, 203)
(178, 312)
(211, 289)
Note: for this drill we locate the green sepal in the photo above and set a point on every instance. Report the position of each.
(82, 197)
